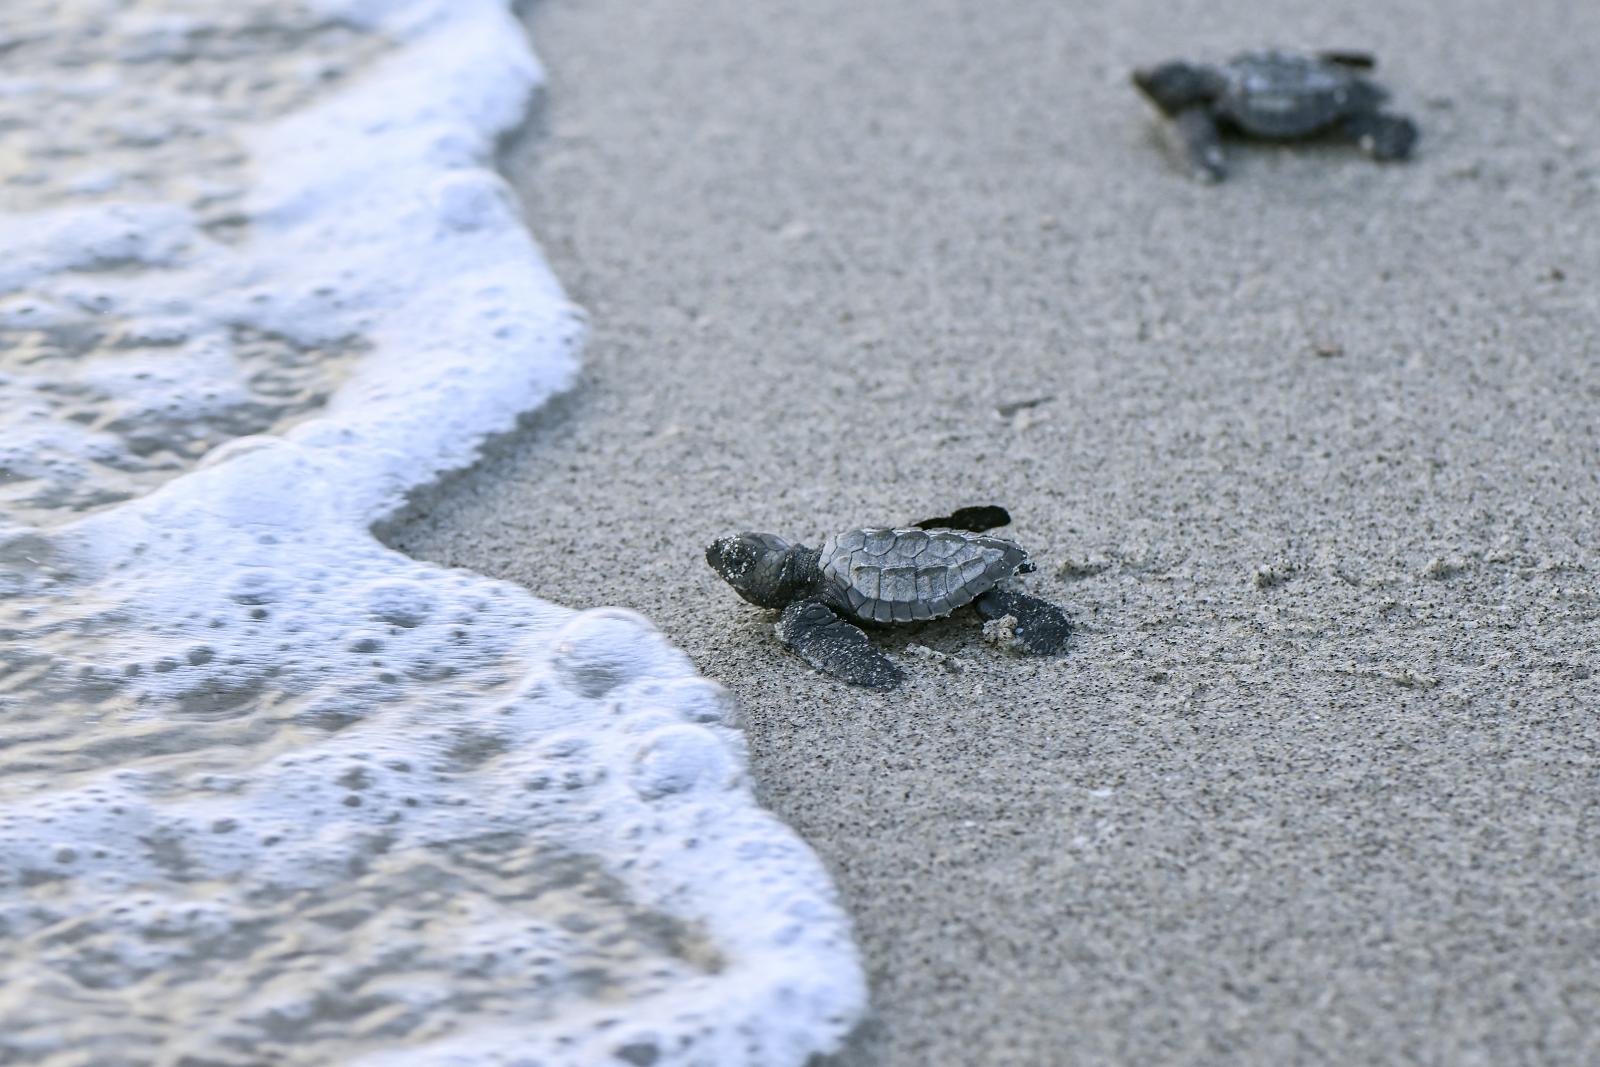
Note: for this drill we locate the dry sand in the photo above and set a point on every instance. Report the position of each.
(1317, 781)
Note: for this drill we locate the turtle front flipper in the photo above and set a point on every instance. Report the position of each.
(1199, 143)
(976, 519)
(1042, 628)
(834, 646)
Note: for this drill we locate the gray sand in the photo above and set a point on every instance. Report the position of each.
(1318, 779)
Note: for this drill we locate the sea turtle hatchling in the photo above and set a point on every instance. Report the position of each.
(886, 575)
(1274, 95)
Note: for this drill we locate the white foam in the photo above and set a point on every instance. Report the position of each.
(262, 716)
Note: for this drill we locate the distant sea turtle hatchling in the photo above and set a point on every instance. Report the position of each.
(1275, 96)
(882, 576)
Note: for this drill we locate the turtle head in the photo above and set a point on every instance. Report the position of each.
(762, 568)
(1175, 86)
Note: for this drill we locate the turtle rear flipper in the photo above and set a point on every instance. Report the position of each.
(1042, 628)
(1343, 57)
(834, 646)
(1384, 137)
(976, 519)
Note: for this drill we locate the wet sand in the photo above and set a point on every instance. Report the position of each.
(1309, 457)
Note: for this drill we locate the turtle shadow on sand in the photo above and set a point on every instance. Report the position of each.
(880, 576)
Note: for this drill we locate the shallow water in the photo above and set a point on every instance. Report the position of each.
(269, 790)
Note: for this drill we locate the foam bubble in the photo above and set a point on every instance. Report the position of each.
(678, 759)
(696, 699)
(602, 649)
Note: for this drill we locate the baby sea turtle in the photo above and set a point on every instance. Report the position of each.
(1277, 96)
(883, 575)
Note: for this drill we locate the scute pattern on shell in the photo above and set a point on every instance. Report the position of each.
(1284, 94)
(907, 575)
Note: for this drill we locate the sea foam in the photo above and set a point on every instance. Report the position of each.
(269, 790)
